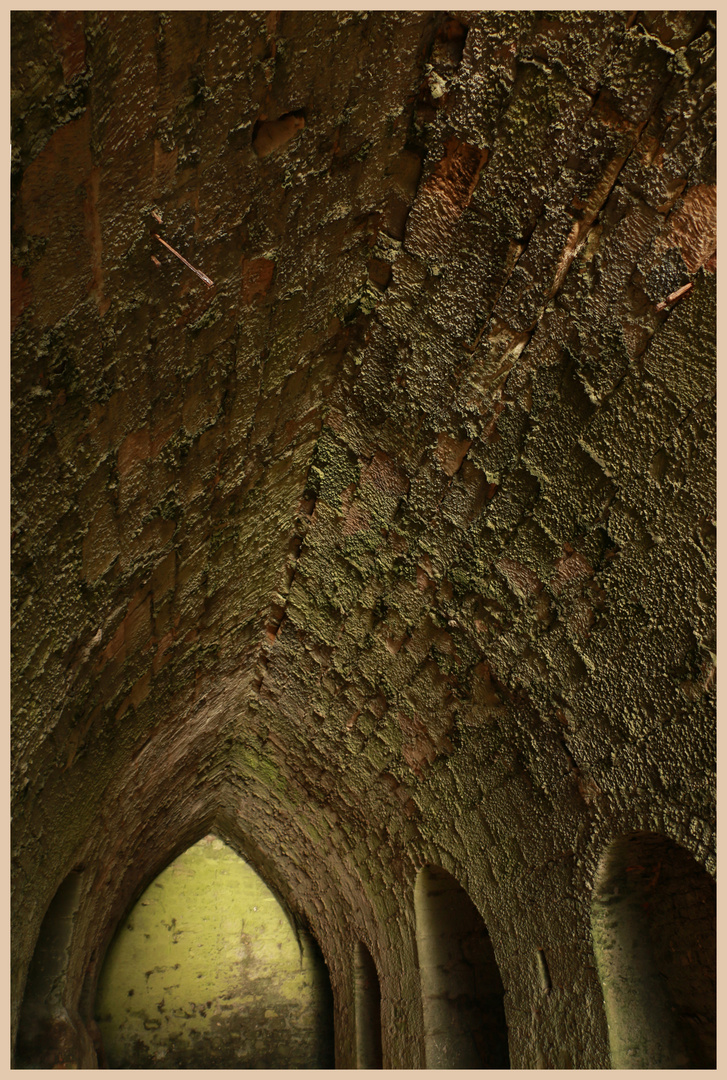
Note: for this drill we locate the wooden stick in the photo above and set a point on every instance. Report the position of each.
(207, 281)
(673, 297)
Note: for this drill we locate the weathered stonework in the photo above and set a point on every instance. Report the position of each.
(395, 547)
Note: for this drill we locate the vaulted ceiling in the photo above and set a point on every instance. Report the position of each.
(395, 544)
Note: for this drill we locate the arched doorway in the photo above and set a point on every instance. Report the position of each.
(368, 1010)
(653, 922)
(207, 972)
(462, 990)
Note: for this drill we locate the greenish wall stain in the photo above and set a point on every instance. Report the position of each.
(206, 972)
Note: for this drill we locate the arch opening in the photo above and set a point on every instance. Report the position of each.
(368, 1010)
(206, 971)
(653, 919)
(462, 990)
(50, 1035)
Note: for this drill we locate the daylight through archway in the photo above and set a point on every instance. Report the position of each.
(363, 464)
(206, 971)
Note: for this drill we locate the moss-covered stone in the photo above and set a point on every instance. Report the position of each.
(396, 546)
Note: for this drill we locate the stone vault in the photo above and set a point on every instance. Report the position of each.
(394, 546)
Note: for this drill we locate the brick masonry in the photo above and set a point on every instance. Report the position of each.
(395, 546)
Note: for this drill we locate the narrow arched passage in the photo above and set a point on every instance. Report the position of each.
(206, 971)
(49, 1034)
(368, 1010)
(653, 921)
(462, 990)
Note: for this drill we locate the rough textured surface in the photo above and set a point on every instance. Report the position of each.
(206, 972)
(395, 546)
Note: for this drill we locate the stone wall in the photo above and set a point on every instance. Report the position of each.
(396, 545)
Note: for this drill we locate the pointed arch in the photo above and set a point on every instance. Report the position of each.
(206, 971)
(462, 990)
(50, 1034)
(653, 919)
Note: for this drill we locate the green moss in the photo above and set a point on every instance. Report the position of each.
(334, 468)
(207, 960)
(262, 768)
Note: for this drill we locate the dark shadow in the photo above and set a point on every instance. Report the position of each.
(323, 1027)
(48, 1036)
(462, 990)
(653, 918)
(270, 135)
(368, 1010)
